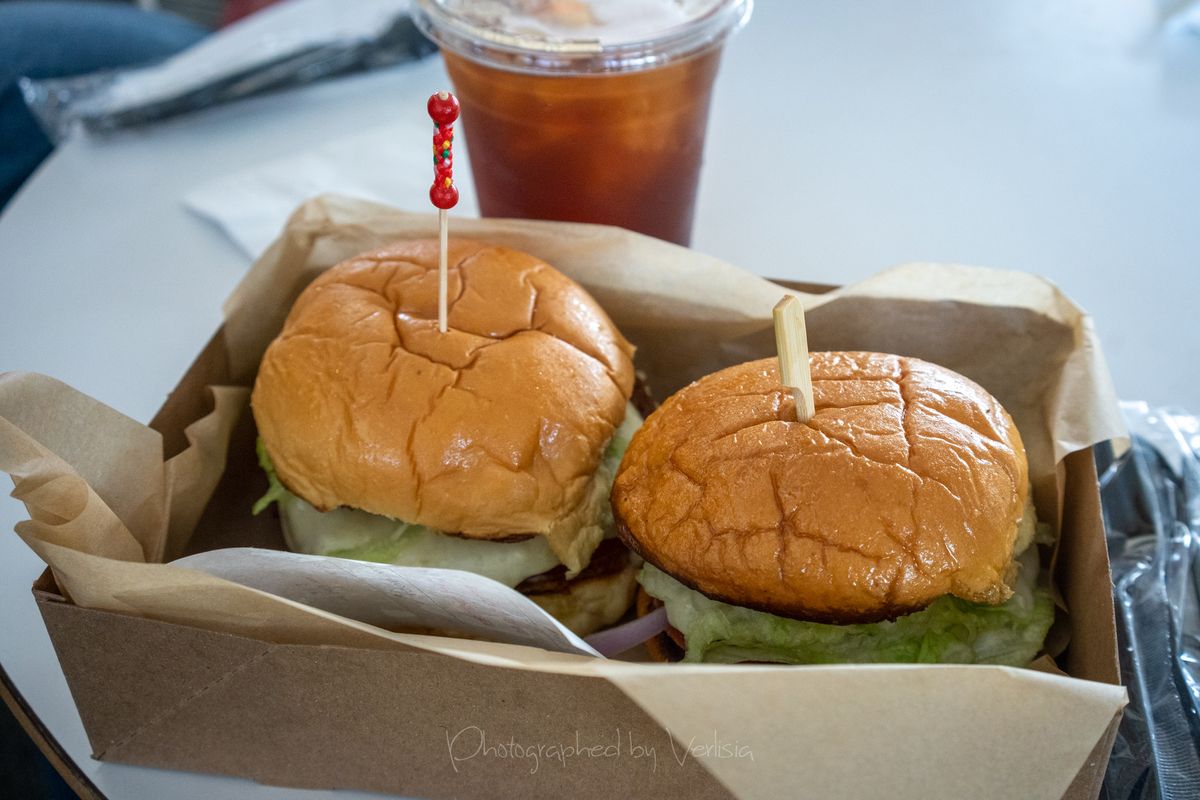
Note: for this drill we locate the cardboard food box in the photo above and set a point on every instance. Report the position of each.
(178, 669)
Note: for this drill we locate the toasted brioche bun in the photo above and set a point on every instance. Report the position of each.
(588, 604)
(596, 597)
(906, 485)
(490, 430)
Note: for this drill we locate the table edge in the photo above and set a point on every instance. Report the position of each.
(50, 747)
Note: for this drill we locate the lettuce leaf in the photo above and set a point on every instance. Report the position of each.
(275, 489)
(949, 630)
(351, 533)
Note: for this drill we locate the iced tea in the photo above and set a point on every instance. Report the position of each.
(560, 130)
(621, 149)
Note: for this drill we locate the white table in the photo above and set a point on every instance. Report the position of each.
(1057, 138)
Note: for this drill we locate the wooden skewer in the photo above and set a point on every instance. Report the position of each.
(791, 340)
(444, 239)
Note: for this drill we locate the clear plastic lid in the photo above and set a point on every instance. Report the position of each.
(578, 37)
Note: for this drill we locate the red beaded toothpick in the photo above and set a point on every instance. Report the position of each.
(443, 109)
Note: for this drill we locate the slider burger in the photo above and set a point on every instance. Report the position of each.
(895, 525)
(489, 448)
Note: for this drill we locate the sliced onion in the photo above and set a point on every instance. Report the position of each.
(624, 637)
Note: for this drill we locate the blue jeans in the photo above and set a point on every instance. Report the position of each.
(58, 39)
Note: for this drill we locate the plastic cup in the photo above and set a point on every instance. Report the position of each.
(586, 112)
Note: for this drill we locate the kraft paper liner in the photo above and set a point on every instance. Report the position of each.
(105, 507)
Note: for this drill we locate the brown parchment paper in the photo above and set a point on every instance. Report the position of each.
(105, 508)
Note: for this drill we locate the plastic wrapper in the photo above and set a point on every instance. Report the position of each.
(288, 45)
(1151, 495)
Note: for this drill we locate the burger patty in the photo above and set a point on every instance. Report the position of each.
(515, 537)
(610, 558)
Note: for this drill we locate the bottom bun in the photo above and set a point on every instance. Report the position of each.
(587, 604)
